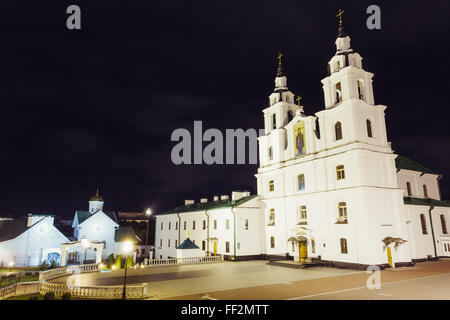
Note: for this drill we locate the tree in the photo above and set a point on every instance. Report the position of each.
(119, 261)
(110, 260)
(49, 296)
(43, 266)
(66, 296)
(130, 261)
(53, 265)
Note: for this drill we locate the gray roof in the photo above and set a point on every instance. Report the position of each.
(10, 229)
(426, 202)
(208, 205)
(83, 215)
(187, 244)
(402, 162)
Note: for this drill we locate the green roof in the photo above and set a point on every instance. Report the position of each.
(426, 202)
(208, 205)
(125, 234)
(402, 162)
(83, 215)
(188, 244)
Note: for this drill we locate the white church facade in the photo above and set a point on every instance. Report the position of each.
(330, 189)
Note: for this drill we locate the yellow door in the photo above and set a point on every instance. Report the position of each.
(215, 248)
(303, 251)
(389, 255)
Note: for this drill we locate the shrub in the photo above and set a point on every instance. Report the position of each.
(130, 261)
(110, 260)
(28, 273)
(49, 296)
(119, 261)
(43, 266)
(53, 265)
(12, 276)
(66, 296)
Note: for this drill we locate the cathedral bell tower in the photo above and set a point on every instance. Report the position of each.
(346, 77)
(95, 203)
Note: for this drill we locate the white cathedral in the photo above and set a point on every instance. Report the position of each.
(330, 189)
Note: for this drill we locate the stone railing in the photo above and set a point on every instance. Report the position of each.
(178, 261)
(64, 271)
(93, 292)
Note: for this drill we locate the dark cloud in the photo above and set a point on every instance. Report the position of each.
(96, 107)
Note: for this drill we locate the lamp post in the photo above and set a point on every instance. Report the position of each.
(127, 247)
(85, 244)
(148, 213)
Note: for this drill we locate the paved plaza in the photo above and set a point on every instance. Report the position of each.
(258, 280)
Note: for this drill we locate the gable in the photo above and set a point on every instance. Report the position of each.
(96, 217)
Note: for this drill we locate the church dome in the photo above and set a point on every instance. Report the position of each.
(96, 197)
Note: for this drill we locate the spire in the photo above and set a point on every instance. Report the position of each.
(341, 31)
(280, 69)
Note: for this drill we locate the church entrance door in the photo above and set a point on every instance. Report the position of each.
(303, 251)
(215, 248)
(389, 256)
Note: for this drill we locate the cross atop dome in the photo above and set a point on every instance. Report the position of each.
(341, 32)
(280, 69)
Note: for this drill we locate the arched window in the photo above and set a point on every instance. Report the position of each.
(274, 121)
(340, 172)
(443, 224)
(272, 216)
(272, 242)
(408, 188)
(369, 128)
(168, 243)
(423, 223)
(344, 245)
(290, 116)
(270, 155)
(301, 181)
(338, 92)
(360, 90)
(425, 191)
(271, 185)
(338, 130)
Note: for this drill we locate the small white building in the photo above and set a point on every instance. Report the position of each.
(188, 249)
(30, 241)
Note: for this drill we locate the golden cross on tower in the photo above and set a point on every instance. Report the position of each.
(280, 55)
(340, 13)
(298, 99)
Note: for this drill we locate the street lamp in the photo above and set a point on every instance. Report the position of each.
(85, 244)
(127, 247)
(148, 212)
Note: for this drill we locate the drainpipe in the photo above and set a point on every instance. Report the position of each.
(432, 230)
(233, 209)
(179, 227)
(207, 232)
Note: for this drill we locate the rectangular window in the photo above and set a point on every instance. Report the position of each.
(272, 242)
(443, 224)
(168, 243)
(269, 154)
(425, 191)
(342, 209)
(160, 243)
(313, 246)
(408, 188)
(161, 225)
(215, 224)
(204, 224)
(142, 251)
(227, 224)
(246, 224)
(271, 186)
(176, 243)
(227, 246)
(344, 245)
(169, 225)
(272, 217)
(293, 246)
(184, 224)
(303, 214)
(274, 121)
(203, 245)
(423, 222)
(193, 225)
(176, 225)
(301, 181)
(340, 173)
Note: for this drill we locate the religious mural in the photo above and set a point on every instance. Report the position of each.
(299, 138)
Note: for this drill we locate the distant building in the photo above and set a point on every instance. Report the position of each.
(138, 221)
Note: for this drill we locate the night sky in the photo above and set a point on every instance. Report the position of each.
(95, 108)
